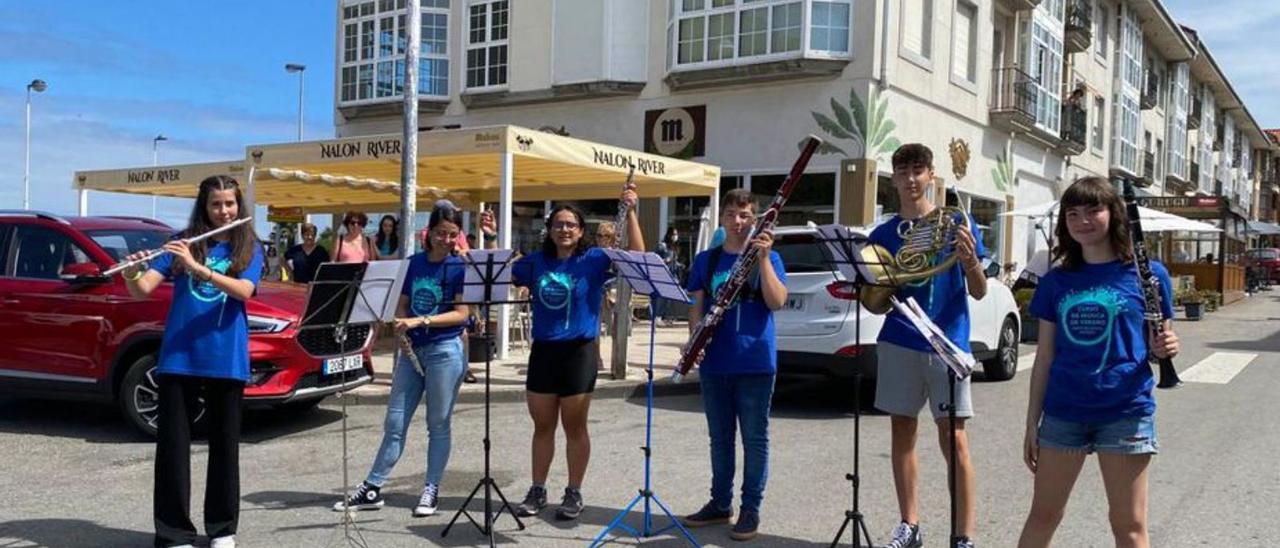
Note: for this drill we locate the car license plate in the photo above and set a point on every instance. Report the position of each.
(794, 302)
(341, 364)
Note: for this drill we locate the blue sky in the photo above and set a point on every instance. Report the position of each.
(210, 76)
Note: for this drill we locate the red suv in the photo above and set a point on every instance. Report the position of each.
(1267, 259)
(69, 332)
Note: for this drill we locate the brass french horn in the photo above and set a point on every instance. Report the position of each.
(923, 240)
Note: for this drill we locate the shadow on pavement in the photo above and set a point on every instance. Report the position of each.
(70, 533)
(792, 399)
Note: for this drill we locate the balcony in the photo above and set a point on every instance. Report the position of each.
(1150, 91)
(1021, 5)
(1079, 26)
(1013, 100)
(1148, 168)
(1193, 117)
(1075, 130)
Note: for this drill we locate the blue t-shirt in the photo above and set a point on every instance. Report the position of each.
(744, 342)
(1099, 371)
(566, 293)
(206, 333)
(433, 288)
(944, 297)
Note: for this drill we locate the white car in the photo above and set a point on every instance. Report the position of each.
(817, 325)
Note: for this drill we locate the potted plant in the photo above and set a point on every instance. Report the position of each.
(1212, 300)
(1192, 301)
(1030, 324)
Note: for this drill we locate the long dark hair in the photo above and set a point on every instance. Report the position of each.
(244, 242)
(443, 212)
(671, 231)
(549, 243)
(395, 233)
(1089, 192)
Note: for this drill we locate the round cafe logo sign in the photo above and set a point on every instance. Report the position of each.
(673, 131)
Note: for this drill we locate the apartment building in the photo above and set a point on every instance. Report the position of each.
(1015, 97)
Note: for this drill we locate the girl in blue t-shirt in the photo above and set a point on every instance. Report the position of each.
(1091, 386)
(204, 354)
(566, 284)
(431, 314)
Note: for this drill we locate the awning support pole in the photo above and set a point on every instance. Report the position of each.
(505, 170)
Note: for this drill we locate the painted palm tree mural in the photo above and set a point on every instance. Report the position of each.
(1002, 174)
(868, 127)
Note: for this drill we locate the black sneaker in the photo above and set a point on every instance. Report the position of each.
(366, 497)
(708, 515)
(965, 542)
(534, 501)
(905, 535)
(570, 505)
(745, 528)
(428, 502)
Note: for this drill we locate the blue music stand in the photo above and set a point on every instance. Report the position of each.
(647, 274)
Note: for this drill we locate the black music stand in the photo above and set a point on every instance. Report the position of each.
(843, 252)
(342, 296)
(647, 274)
(488, 281)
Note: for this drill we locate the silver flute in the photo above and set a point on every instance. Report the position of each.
(119, 267)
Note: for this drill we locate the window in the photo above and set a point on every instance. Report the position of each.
(41, 253)
(373, 50)
(1044, 61)
(830, 28)
(813, 199)
(917, 27)
(986, 214)
(963, 43)
(1177, 116)
(1125, 133)
(1099, 122)
(487, 43)
(726, 32)
(1100, 30)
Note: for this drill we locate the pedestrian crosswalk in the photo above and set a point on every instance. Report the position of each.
(1217, 368)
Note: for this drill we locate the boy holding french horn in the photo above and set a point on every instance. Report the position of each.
(909, 371)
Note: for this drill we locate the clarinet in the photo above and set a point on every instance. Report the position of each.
(743, 267)
(1150, 286)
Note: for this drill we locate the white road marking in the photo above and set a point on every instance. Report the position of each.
(1026, 361)
(1218, 368)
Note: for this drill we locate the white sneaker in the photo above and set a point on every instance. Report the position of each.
(428, 502)
(228, 541)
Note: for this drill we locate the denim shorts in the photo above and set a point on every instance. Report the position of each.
(1128, 436)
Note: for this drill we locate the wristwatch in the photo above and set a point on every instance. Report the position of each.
(426, 321)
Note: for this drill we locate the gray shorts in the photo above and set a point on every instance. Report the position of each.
(906, 377)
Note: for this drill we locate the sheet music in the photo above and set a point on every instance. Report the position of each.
(959, 361)
(647, 274)
(478, 266)
(849, 265)
(379, 291)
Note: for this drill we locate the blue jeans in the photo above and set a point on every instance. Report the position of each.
(1127, 436)
(733, 401)
(442, 362)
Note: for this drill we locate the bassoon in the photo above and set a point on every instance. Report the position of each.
(742, 268)
(1150, 286)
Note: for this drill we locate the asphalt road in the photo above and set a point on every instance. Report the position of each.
(76, 476)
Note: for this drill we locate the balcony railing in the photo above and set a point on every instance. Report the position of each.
(1013, 100)
(1193, 118)
(1150, 91)
(1075, 129)
(1079, 25)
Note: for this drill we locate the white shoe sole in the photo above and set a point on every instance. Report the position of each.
(423, 511)
(360, 507)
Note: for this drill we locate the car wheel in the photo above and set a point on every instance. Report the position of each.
(139, 397)
(1004, 364)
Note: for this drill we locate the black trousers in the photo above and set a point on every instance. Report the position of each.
(179, 406)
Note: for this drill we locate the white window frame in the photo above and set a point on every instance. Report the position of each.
(1128, 93)
(1098, 140)
(701, 11)
(1101, 27)
(1044, 33)
(488, 45)
(393, 62)
(923, 58)
(1176, 140)
(966, 201)
(970, 81)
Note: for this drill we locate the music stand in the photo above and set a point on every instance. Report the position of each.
(843, 252)
(647, 274)
(342, 296)
(488, 276)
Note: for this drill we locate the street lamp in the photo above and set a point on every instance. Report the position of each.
(292, 68)
(38, 85)
(155, 161)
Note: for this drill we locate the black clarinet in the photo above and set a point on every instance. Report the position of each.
(1150, 286)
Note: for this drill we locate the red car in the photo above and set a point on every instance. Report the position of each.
(69, 332)
(1266, 258)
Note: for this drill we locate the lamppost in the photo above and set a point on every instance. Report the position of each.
(155, 161)
(292, 68)
(39, 86)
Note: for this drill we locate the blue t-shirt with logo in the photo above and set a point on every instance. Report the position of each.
(566, 293)
(433, 288)
(206, 333)
(943, 297)
(744, 342)
(1099, 371)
